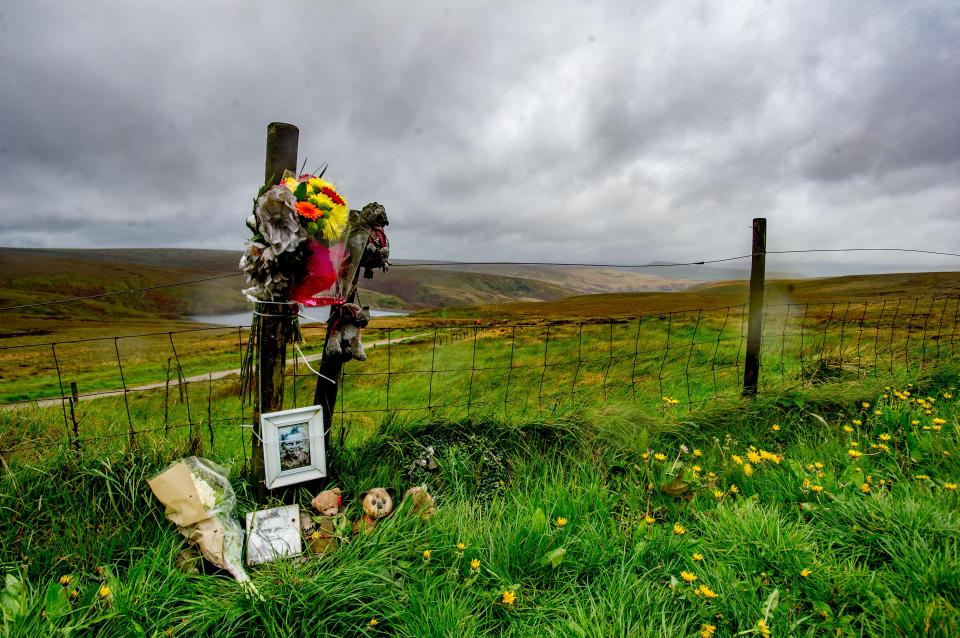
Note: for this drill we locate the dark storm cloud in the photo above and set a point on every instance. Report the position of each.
(612, 131)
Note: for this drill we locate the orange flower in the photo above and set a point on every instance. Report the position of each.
(308, 210)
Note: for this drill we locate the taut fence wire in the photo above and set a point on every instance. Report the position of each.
(183, 386)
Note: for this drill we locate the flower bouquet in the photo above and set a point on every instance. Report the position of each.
(200, 501)
(299, 242)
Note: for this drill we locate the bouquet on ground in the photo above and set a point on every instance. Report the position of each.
(200, 501)
(299, 242)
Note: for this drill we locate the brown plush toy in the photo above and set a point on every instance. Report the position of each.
(321, 535)
(377, 504)
(421, 501)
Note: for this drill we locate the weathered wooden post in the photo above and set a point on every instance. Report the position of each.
(751, 367)
(282, 140)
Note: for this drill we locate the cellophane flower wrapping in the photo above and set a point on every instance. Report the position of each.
(200, 500)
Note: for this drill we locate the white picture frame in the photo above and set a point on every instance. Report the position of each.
(294, 450)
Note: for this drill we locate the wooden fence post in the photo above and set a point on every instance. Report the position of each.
(751, 367)
(271, 347)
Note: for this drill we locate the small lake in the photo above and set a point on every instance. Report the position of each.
(308, 315)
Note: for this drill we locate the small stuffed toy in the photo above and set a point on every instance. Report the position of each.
(320, 532)
(377, 504)
(421, 501)
(344, 342)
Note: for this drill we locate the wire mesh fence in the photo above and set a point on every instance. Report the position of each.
(183, 386)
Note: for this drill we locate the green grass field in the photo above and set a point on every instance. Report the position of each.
(601, 473)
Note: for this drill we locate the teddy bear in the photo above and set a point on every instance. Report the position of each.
(320, 532)
(421, 501)
(377, 504)
(344, 342)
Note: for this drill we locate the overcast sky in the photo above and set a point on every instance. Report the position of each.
(609, 131)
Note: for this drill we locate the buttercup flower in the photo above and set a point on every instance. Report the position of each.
(461, 547)
(697, 452)
(697, 557)
(660, 456)
(748, 469)
(688, 576)
(561, 522)
(426, 554)
(475, 564)
(705, 591)
(775, 427)
(679, 529)
(509, 598)
(950, 486)
(373, 622)
(762, 626)
(806, 571)
(707, 630)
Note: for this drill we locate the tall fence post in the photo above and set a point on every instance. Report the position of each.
(751, 366)
(271, 347)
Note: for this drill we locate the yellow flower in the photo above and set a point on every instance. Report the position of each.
(857, 422)
(315, 535)
(818, 465)
(922, 477)
(705, 591)
(649, 520)
(734, 489)
(373, 622)
(660, 456)
(74, 594)
(854, 454)
(946, 454)
(561, 521)
(679, 529)
(878, 412)
(865, 488)
(718, 494)
(884, 436)
(475, 564)
(806, 571)
(696, 468)
(103, 592)
(697, 557)
(847, 429)
(762, 627)
(645, 456)
(816, 488)
(65, 579)
(509, 597)
(866, 406)
(688, 576)
(706, 630)
(939, 421)
(950, 486)
(854, 444)
(748, 469)
(753, 457)
(697, 452)
(736, 459)
(775, 427)
(461, 547)
(915, 422)
(426, 554)
(947, 395)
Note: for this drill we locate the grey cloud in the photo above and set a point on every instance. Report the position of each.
(594, 131)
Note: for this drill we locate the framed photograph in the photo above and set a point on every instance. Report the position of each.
(273, 533)
(293, 446)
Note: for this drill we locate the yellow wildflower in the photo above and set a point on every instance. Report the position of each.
(857, 422)
(373, 622)
(922, 477)
(461, 547)
(734, 489)
(426, 554)
(315, 535)
(561, 522)
(748, 469)
(509, 597)
(865, 488)
(847, 429)
(775, 427)
(688, 576)
(679, 529)
(806, 571)
(866, 406)
(950, 486)
(939, 421)
(65, 579)
(816, 488)
(736, 459)
(947, 395)
(660, 456)
(696, 468)
(697, 452)
(762, 627)
(645, 456)
(697, 557)
(718, 494)
(706, 630)
(915, 422)
(818, 465)
(878, 412)
(103, 592)
(883, 436)
(74, 594)
(705, 591)
(475, 564)
(854, 444)
(770, 456)
(649, 520)
(753, 457)
(854, 454)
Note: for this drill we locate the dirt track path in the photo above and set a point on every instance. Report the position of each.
(209, 376)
